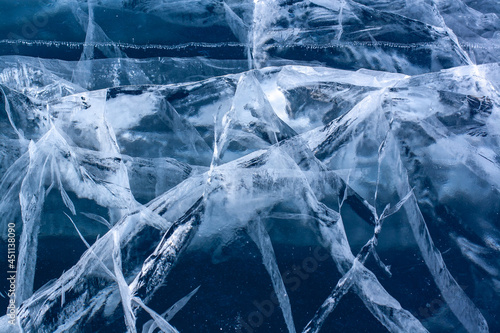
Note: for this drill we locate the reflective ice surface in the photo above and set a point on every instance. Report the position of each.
(251, 166)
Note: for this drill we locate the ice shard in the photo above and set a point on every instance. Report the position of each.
(250, 166)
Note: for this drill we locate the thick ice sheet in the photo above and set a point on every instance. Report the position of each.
(253, 132)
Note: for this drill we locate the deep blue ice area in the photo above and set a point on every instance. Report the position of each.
(250, 166)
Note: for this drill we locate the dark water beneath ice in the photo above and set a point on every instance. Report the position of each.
(235, 293)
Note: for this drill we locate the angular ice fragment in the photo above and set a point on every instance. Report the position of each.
(261, 238)
(250, 124)
(156, 267)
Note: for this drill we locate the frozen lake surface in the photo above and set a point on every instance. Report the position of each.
(250, 166)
